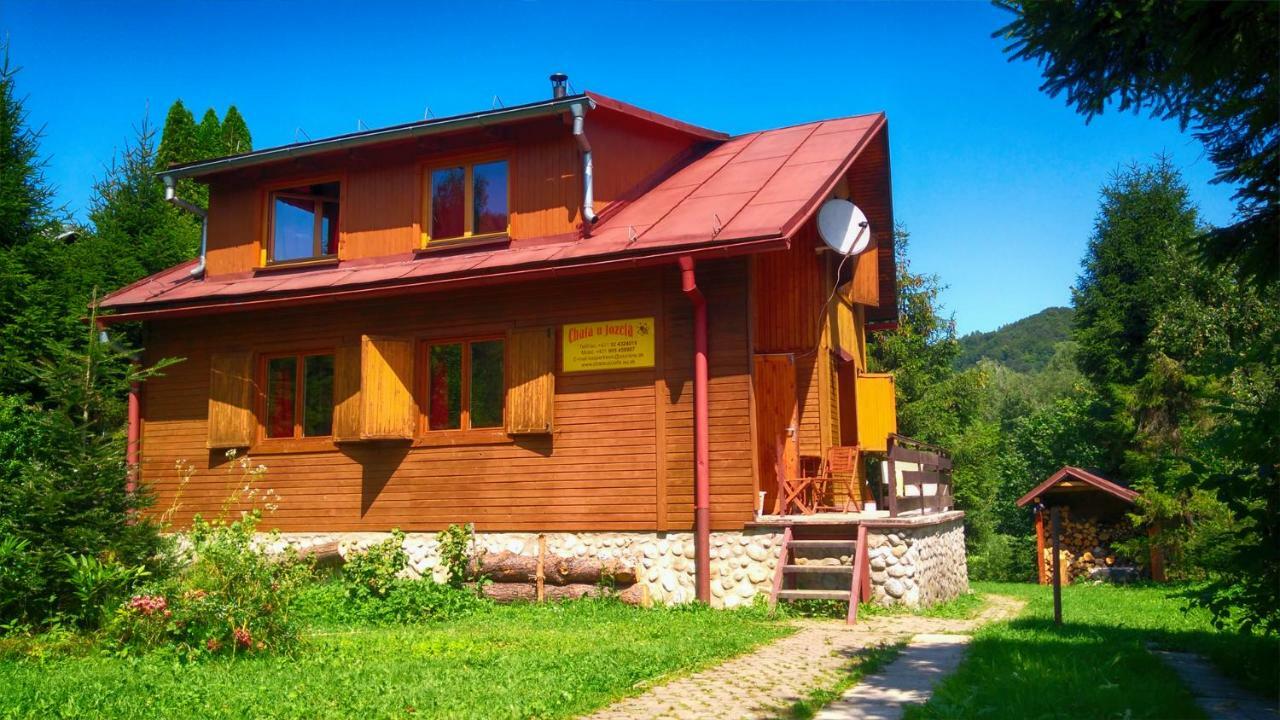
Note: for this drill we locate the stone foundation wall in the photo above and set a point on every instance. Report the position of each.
(918, 566)
(914, 566)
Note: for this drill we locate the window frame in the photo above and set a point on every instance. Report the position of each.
(271, 192)
(467, 163)
(423, 389)
(299, 395)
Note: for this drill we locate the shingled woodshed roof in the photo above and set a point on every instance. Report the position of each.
(748, 194)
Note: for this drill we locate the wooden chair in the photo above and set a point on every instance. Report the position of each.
(841, 463)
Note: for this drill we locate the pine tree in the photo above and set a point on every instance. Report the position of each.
(235, 133)
(25, 199)
(209, 136)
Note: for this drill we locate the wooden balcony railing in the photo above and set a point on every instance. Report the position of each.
(919, 476)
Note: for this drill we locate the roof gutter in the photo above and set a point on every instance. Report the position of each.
(171, 196)
(488, 118)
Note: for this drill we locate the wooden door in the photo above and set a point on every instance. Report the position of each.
(777, 417)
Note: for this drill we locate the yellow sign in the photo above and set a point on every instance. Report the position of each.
(608, 345)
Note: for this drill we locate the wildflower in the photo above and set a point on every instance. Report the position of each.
(149, 604)
(213, 645)
(242, 637)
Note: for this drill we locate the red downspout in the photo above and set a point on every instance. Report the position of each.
(702, 447)
(131, 441)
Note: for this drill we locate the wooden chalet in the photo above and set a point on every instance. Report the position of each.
(573, 316)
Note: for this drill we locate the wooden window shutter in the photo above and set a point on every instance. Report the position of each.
(387, 410)
(877, 410)
(865, 287)
(232, 423)
(373, 390)
(532, 390)
(346, 392)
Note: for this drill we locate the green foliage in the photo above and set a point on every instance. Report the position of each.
(209, 141)
(226, 596)
(64, 480)
(340, 603)
(373, 572)
(1097, 664)
(552, 660)
(98, 585)
(1025, 345)
(455, 552)
(1211, 66)
(26, 210)
(179, 141)
(235, 133)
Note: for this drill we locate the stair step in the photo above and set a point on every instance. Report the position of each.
(827, 544)
(813, 595)
(817, 569)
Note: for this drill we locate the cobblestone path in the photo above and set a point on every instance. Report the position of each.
(759, 684)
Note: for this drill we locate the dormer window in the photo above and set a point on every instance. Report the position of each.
(304, 223)
(467, 201)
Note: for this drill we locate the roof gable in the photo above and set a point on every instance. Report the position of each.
(1069, 473)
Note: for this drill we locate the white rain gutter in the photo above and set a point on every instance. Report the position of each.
(171, 196)
(579, 111)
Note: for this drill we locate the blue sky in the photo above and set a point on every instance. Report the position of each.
(996, 182)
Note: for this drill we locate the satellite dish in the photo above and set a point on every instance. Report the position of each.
(844, 227)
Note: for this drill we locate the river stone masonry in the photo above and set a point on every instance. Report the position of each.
(742, 563)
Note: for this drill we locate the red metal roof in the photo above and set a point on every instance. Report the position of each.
(1075, 473)
(748, 194)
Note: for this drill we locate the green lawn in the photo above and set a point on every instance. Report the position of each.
(1097, 664)
(525, 661)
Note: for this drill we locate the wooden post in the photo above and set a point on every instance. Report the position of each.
(1041, 576)
(541, 576)
(860, 574)
(1157, 554)
(892, 489)
(1055, 519)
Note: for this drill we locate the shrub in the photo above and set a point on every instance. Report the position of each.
(226, 597)
(334, 603)
(98, 585)
(455, 552)
(373, 571)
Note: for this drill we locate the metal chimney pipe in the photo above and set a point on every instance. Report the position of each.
(559, 85)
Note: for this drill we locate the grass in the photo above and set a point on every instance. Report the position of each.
(1097, 664)
(960, 608)
(518, 661)
(867, 661)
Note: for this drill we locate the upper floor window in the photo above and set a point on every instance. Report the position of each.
(304, 222)
(467, 201)
(299, 396)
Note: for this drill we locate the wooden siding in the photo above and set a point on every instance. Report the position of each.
(599, 470)
(383, 188)
(870, 188)
(788, 287)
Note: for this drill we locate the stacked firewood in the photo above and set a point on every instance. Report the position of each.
(1086, 546)
(549, 577)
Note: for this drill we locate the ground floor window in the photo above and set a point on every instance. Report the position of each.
(299, 396)
(465, 384)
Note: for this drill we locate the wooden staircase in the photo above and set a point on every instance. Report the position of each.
(855, 577)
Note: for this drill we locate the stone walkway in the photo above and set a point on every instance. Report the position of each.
(908, 680)
(1217, 696)
(759, 684)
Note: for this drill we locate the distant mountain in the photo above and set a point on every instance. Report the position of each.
(1024, 345)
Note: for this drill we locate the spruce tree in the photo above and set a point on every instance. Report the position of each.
(25, 199)
(235, 133)
(209, 136)
(178, 141)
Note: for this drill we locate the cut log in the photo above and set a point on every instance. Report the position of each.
(507, 567)
(324, 555)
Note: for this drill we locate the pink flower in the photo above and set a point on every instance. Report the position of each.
(242, 637)
(150, 604)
